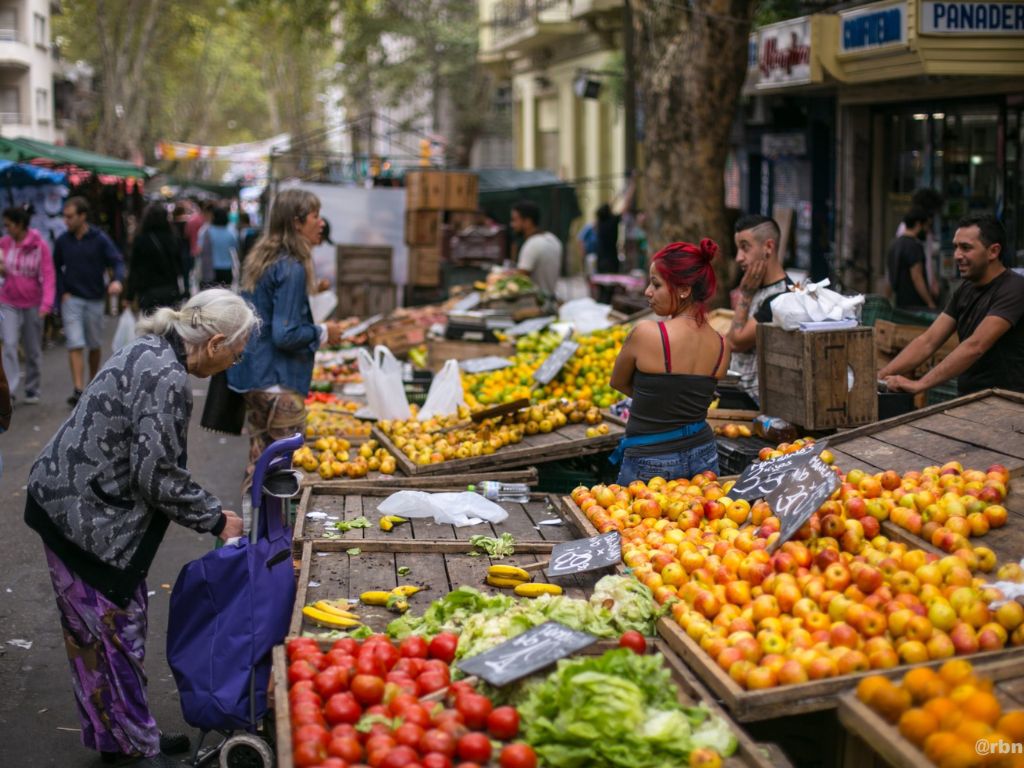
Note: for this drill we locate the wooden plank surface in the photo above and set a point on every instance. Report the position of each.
(282, 715)
(455, 481)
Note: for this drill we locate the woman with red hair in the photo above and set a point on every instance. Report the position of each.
(670, 368)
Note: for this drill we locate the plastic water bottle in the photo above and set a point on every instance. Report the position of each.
(496, 491)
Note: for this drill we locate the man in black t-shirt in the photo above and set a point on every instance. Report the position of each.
(906, 261)
(987, 313)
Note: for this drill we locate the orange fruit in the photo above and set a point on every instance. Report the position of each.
(917, 724)
(970, 731)
(938, 744)
(960, 755)
(870, 685)
(919, 682)
(961, 693)
(1012, 724)
(956, 671)
(983, 706)
(945, 711)
(892, 702)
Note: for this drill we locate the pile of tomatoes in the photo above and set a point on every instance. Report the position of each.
(383, 705)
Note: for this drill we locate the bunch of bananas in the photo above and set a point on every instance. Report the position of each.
(518, 580)
(331, 614)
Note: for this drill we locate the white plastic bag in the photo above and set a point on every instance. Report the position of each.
(124, 334)
(458, 509)
(813, 303)
(382, 377)
(586, 315)
(445, 395)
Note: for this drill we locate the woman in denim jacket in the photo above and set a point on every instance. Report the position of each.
(277, 369)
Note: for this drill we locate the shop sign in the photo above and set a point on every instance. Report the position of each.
(993, 18)
(872, 28)
(784, 53)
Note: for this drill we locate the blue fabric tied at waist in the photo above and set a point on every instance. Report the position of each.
(687, 430)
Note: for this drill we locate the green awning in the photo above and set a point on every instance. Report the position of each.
(30, 149)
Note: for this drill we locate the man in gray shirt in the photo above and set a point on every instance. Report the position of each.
(540, 255)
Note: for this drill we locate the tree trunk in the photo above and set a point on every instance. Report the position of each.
(689, 78)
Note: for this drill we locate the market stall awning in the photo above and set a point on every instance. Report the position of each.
(14, 174)
(30, 149)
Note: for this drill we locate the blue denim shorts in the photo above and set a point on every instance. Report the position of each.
(670, 466)
(83, 322)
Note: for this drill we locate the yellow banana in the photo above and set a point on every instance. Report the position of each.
(390, 521)
(375, 597)
(406, 590)
(329, 607)
(504, 582)
(508, 572)
(537, 589)
(330, 620)
(398, 603)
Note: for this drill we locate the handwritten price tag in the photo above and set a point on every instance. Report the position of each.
(582, 555)
(805, 489)
(526, 653)
(763, 478)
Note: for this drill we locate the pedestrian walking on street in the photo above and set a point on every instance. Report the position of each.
(278, 279)
(102, 494)
(156, 276)
(82, 256)
(218, 252)
(26, 298)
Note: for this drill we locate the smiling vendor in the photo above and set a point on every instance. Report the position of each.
(670, 369)
(987, 313)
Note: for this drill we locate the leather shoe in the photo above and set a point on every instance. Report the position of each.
(174, 743)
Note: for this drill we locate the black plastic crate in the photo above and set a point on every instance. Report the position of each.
(564, 475)
(736, 454)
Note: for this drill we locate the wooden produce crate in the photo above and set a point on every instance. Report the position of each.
(978, 430)
(438, 566)
(570, 440)
(873, 740)
(440, 351)
(461, 191)
(425, 266)
(454, 482)
(892, 338)
(750, 706)
(719, 417)
(358, 264)
(366, 299)
(341, 504)
(399, 334)
(424, 190)
(422, 227)
(805, 377)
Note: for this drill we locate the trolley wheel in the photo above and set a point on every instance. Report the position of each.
(246, 751)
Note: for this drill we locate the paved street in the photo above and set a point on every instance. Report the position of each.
(38, 720)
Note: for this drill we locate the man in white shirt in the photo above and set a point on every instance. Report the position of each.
(540, 255)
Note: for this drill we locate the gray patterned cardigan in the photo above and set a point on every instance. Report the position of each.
(104, 489)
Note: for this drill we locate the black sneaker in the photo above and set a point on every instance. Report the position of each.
(31, 398)
(75, 397)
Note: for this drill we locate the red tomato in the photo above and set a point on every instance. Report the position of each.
(311, 732)
(401, 702)
(417, 714)
(448, 714)
(633, 640)
(344, 731)
(368, 664)
(436, 740)
(409, 666)
(336, 657)
(368, 689)
(308, 754)
(331, 681)
(347, 748)
(459, 688)
(342, 708)
(379, 742)
(300, 644)
(503, 723)
(475, 747)
(429, 682)
(443, 647)
(414, 647)
(467, 764)
(408, 734)
(400, 757)
(436, 760)
(313, 656)
(475, 709)
(306, 712)
(387, 654)
(518, 756)
(301, 670)
(453, 727)
(438, 666)
(399, 687)
(347, 645)
(334, 762)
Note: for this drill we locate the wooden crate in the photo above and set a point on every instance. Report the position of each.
(876, 740)
(361, 264)
(425, 267)
(340, 504)
(892, 338)
(424, 190)
(804, 377)
(398, 334)
(422, 227)
(454, 482)
(440, 351)
(461, 191)
(719, 417)
(569, 441)
(749, 706)
(366, 299)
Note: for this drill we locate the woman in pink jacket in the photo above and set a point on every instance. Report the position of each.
(26, 297)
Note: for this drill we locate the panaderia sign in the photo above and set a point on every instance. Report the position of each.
(784, 53)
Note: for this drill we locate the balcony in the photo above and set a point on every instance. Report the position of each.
(11, 118)
(519, 26)
(14, 50)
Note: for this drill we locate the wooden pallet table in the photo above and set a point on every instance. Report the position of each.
(564, 443)
(749, 706)
(341, 504)
(449, 482)
(977, 430)
(873, 740)
(690, 692)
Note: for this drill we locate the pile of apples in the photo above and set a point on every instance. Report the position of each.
(839, 598)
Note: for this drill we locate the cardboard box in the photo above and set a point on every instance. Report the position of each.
(818, 380)
(398, 334)
(425, 190)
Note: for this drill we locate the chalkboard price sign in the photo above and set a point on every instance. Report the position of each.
(762, 478)
(484, 364)
(526, 653)
(805, 489)
(582, 555)
(555, 362)
(530, 325)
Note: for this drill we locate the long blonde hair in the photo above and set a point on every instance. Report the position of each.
(280, 235)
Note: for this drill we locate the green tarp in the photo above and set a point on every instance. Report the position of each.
(29, 149)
